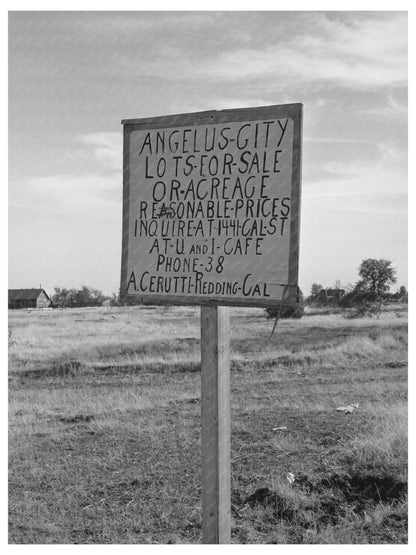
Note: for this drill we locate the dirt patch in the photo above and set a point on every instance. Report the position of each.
(396, 364)
(77, 418)
(358, 491)
(327, 500)
(363, 490)
(268, 498)
(369, 487)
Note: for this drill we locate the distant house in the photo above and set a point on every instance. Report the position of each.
(330, 295)
(28, 298)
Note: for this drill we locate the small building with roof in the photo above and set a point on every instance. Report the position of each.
(330, 295)
(29, 298)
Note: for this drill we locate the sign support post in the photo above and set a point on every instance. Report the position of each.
(215, 409)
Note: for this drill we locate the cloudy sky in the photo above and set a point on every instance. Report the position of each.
(74, 75)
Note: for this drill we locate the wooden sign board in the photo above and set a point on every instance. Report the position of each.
(211, 207)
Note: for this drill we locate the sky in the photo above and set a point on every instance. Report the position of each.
(73, 76)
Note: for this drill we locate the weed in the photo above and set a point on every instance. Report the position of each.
(10, 337)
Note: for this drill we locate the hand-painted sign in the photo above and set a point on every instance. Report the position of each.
(211, 207)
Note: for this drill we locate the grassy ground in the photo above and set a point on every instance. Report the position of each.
(104, 427)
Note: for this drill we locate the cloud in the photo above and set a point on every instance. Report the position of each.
(337, 140)
(132, 23)
(65, 230)
(94, 185)
(363, 53)
(366, 53)
(395, 108)
(72, 197)
(241, 101)
(351, 210)
(106, 148)
(378, 186)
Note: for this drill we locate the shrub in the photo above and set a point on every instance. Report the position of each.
(296, 310)
(361, 312)
(358, 299)
(361, 303)
(286, 311)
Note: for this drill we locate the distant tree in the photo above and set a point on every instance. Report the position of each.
(402, 295)
(372, 289)
(86, 296)
(92, 297)
(376, 276)
(316, 287)
(61, 297)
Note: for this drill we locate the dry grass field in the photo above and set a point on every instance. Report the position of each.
(104, 427)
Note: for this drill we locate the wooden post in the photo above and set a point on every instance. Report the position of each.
(215, 409)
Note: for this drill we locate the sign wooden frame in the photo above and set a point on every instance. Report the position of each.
(289, 290)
